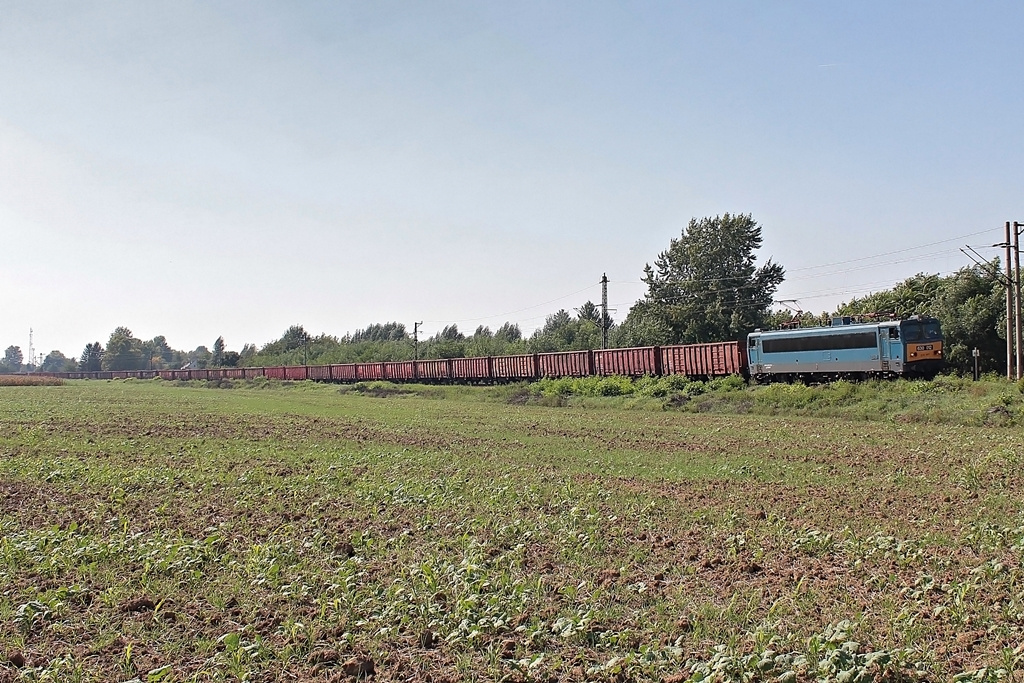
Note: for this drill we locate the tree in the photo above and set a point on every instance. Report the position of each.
(200, 358)
(217, 360)
(913, 295)
(706, 286)
(448, 343)
(56, 361)
(159, 354)
(509, 333)
(562, 332)
(451, 333)
(644, 326)
(971, 306)
(92, 358)
(13, 359)
(377, 332)
(294, 338)
(124, 352)
(969, 303)
(589, 311)
(231, 359)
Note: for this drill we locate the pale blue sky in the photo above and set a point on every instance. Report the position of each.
(232, 168)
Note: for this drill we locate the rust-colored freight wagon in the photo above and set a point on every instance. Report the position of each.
(514, 367)
(703, 360)
(471, 369)
(274, 373)
(635, 362)
(295, 372)
(365, 371)
(251, 373)
(432, 370)
(344, 372)
(320, 373)
(564, 364)
(400, 371)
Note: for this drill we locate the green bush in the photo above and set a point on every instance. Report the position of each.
(648, 387)
(695, 388)
(616, 386)
(727, 383)
(659, 387)
(786, 396)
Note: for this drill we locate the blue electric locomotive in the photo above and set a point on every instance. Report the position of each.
(848, 349)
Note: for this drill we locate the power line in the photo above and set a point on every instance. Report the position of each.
(501, 315)
(807, 295)
(889, 253)
(856, 260)
(869, 266)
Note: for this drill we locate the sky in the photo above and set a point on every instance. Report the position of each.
(197, 170)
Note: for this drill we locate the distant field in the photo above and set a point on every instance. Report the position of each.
(175, 533)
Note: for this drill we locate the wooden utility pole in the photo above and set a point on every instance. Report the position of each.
(1010, 324)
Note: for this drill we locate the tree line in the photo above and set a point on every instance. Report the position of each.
(707, 286)
(124, 351)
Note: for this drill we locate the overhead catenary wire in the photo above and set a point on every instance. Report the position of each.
(809, 295)
(920, 257)
(895, 251)
(501, 315)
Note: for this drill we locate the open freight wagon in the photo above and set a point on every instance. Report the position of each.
(698, 361)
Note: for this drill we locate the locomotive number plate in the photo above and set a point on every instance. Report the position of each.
(925, 347)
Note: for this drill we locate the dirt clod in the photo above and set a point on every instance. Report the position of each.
(322, 657)
(16, 659)
(358, 666)
(138, 605)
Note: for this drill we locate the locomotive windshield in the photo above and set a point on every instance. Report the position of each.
(914, 331)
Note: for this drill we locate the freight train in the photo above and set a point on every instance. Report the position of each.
(693, 360)
(847, 349)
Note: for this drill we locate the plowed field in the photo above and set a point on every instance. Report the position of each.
(165, 533)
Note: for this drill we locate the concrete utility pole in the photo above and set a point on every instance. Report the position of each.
(604, 310)
(1019, 336)
(1010, 325)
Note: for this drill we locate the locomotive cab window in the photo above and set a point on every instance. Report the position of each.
(918, 331)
